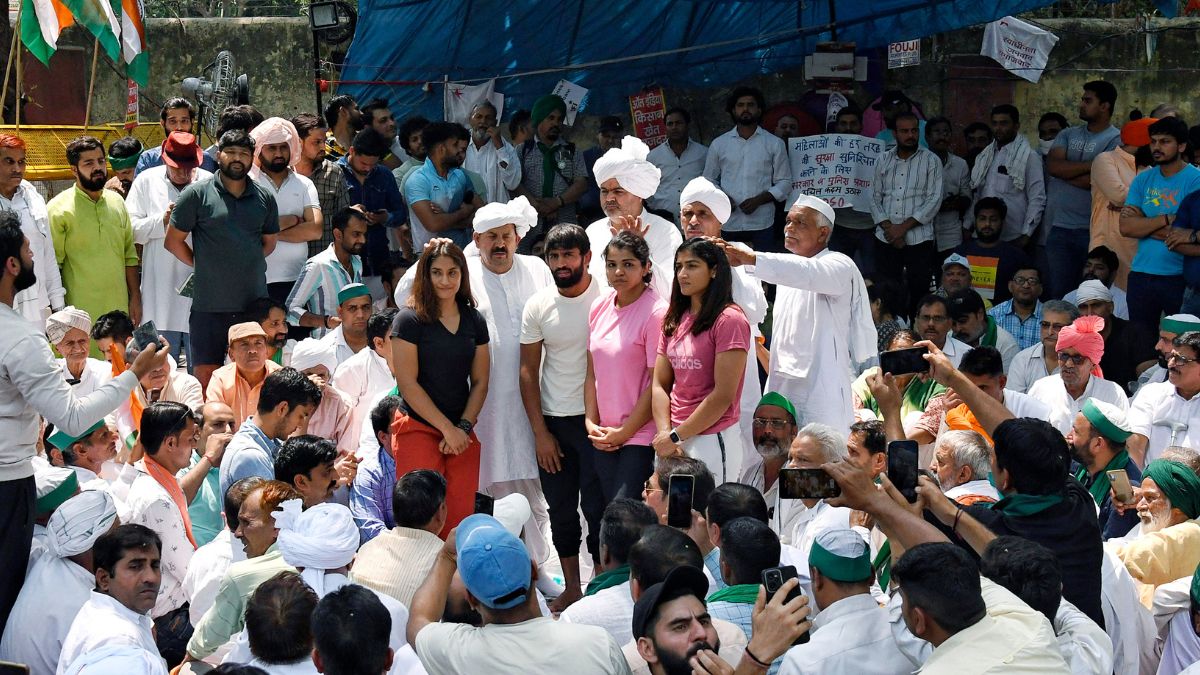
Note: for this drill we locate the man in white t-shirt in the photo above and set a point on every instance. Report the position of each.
(515, 638)
(276, 152)
(554, 338)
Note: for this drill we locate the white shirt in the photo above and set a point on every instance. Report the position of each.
(293, 196)
(1028, 366)
(500, 168)
(972, 488)
(748, 294)
(95, 374)
(304, 666)
(540, 645)
(151, 193)
(1024, 405)
(560, 324)
(54, 590)
(677, 172)
(363, 378)
(956, 181)
(1120, 301)
(1024, 206)
(610, 609)
(1063, 409)
(663, 238)
(907, 188)
(1083, 644)
(955, 349)
(1161, 403)
(35, 303)
(850, 636)
(149, 504)
(745, 168)
(104, 622)
(1129, 625)
(341, 349)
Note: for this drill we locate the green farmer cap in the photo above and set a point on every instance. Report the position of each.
(780, 401)
(351, 291)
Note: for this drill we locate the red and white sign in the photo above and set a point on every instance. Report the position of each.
(648, 110)
(901, 54)
(131, 107)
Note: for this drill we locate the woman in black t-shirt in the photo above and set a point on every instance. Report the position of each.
(440, 360)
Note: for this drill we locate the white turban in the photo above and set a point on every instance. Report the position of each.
(78, 523)
(629, 166)
(322, 538)
(518, 212)
(700, 189)
(513, 512)
(1092, 289)
(58, 323)
(277, 130)
(309, 353)
(817, 204)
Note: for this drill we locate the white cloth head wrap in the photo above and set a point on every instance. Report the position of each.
(817, 204)
(79, 522)
(700, 189)
(629, 166)
(322, 538)
(310, 352)
(513, 512)
(117, 659)
(1093, 289)
(58, 323)
(519, 212)
(276, 130)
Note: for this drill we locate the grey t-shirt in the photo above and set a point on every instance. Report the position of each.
(1067, 206)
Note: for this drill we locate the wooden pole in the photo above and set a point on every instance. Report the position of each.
(12, 48)
(87, 114)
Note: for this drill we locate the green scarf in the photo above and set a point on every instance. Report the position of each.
(549, 168)
(742, 594)
(277, 357)
(1026, 505)
(989, 335)
(613, 577)
(1100, 487)
(883, 565)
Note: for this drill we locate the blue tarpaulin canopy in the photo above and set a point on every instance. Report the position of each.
(615, 47)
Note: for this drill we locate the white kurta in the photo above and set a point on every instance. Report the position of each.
(1024, 405)
(955, 349)
(34, 303)
(203, 579)
(505, 437)
(814, 329)
(162, 273)
(95, 374)
(104, 622)
(663, 238)
(362, 378)
(486, 161)
(1051, 391)
(1160, 403)
(341, 349)
(54, 591)
(1129, 625)
(852, 635)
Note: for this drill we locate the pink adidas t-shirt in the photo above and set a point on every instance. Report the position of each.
(623, 342)
(694, 359)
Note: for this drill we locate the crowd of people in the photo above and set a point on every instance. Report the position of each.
(344, 395)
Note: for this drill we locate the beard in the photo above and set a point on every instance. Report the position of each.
(1153, 522)
(675, 664)
(278, 165)
(479, 134)
(278, 341)
(234, 170)
(570, 280)
(94, 182)
(25, 278)
(1081, 455)
(991, 238)
(769, 448)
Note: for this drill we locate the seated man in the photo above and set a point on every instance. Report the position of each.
(608, 602)
(350, 629)
(672, 625)
(815, 445)
(1097, 441)
(727, 503)
(112, 329)
(933, 323)
(956, 275)
(962, 461)
(1128, 347)
(349, 337)
(279, 624)
(1040, 360)
(1169, 328)
(86, 454)
(371, 492)
(331, 419)
(1102, 265)
(984, 367)
(1167, 543)
(396, 561)
(69, 331)
(1080, 348)
(1166, 414)
(774, 426)
(305, 462)
(975, 327)
(748, 547)
(655, 492)
(237, 384)
(1181, 641)
(367, 376)
(271, 316)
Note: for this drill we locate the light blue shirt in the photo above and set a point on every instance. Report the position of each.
(1157, 195)
(425, 184)
(250, 453)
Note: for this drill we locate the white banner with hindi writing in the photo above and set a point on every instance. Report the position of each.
(1022, 48)
(574, 96)
(838, 168)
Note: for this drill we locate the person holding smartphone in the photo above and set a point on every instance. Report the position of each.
(916, 390)
(701, 362)
(441, 363)
(1097, 439)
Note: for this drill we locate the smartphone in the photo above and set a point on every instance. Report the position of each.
(1122, 488)
(807, 484)
(146, 335)
(773, 578)
(902, 468)
(484, 504)
(904, 361)
(679, 500)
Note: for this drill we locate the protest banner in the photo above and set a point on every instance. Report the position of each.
(838, 168)
(131, 106)
(575, 97)
(1022, 48)
(648, 110)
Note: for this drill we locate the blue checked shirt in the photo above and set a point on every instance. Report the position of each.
(316, 289)
(371, 495)
(1027, 332)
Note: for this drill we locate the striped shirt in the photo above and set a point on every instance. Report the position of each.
(316, 289)
(908, 188)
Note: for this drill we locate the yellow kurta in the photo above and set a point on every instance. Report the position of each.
(1160, 557)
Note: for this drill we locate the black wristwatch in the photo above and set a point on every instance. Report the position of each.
(675, 437)
(466, 425)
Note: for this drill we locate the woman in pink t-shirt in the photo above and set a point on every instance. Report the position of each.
(623, 330)
(701, 362)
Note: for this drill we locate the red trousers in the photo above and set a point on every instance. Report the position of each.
(415, 446)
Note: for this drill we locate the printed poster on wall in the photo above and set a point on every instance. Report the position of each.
(648, 110)
(901, 54)
(131, 106)
(838, 168)
(1022, 48)
(575, 97)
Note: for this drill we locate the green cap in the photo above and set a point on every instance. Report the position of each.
(55, 485)
(351, 291)
(780, 401)
(63, 441)
(1195, 592)
(122, 163)
(1108, 419)
(1179, 324)
(841, 555)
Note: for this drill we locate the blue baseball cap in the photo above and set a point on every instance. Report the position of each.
(493, 563)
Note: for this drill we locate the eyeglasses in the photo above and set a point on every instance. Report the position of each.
(1026, 281)
(933, 319)
(777, 425)
(1074, 359)
(650, 488)
(1180, 359)
(1054, 326)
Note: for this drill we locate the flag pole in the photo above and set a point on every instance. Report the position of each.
(20, 79)
(87, 114)
(12, 47)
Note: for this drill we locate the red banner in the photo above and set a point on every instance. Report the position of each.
(648, 110)
(131, 107)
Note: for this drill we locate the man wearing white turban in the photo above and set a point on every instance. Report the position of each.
(822, 319)
(626, 181)
(318, 359)
(58, 584)
(69, 330)
(276, 151)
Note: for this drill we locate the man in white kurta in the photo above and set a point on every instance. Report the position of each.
(18, 195)
(104, 622)
(626, 181)
(1083, 347)
(58, 584)
(366, 376)
(821, 321)
(491, 156)
(69, 330)
(150, 201)
(1175, 402)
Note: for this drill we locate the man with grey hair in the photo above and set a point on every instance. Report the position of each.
(490, 156)
(802, 519)
(961, 461)
(1041, 359)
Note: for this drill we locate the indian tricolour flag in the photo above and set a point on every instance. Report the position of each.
(41, 23)
(133, 42)
(99, 18)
